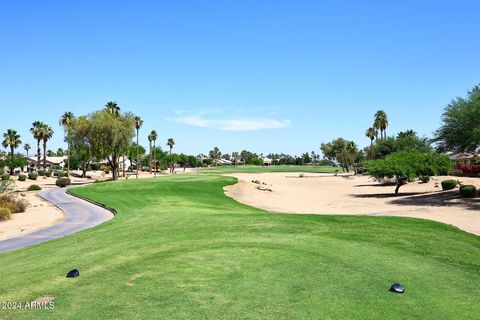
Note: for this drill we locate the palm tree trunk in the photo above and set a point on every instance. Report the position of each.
(137, 154)
(38, 154)
(150, 164)
(154, 160)
(45, 156)
(68, 159)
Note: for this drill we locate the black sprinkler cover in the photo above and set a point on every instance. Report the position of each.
(397, 288)
(73, 273)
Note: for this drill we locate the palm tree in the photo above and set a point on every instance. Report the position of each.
(138, 125)
(11, 139)
(65, 120)
(26, 147)
(150, 139)
(170, 144)
(37, 132)
(371, 133)
(381, 123)
(47, 134)
(112, 108)
(154, 136)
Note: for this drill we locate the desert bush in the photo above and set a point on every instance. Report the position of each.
(449, 184)
(48, 173)
(6, 185)
(22, 177)
(13, 202)
(41, 172)
(34, 187)
(425, 179)
(105, 169)
(62, 182)
(32, 175)
(468, 191)
(5, 214)
(5, 177)
(61, 173)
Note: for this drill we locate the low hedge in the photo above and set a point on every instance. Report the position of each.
(425, 179)
(5, 177)
(22, 177)
(62, 182)
(41, 172)
(48, 173)
(34, 187)
(468, 191)
(449, 184)
(32, 175)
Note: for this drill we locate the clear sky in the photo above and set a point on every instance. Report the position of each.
(268, 76)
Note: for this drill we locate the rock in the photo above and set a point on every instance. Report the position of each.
(73, 273)
(397, 288)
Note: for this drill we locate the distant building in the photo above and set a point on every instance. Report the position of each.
(50, 161)
(267, 161)
(464, 158)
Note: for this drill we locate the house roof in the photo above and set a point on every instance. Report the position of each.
(53, 160)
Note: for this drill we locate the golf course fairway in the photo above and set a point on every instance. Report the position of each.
(180, 249)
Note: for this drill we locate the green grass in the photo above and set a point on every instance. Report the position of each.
(180, 249)
(260, 169)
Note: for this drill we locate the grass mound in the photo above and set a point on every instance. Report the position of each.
(180, 249)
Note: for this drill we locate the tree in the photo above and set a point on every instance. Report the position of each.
(37, 132)
(65, 120)
(26, 147)
(47, 134)
(150, 139)
(403, 142)
(404, 166)
(460, 129)
(112, 108)
(79, 137)
(380, 123)
(170, 144)
(371, 133)
(215, 155)
(50, 153)
(12, 140)
(15, 161)
(135, 152)
(60, 153)
(340, 150)
(154, 136)
(138, 125)
(110, 135)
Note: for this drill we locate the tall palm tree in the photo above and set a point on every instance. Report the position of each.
(26, 147)
(138, 125)
(154, 135)
(170, 144)
(112, 108)
(381, 123)
(150, 139)
(371, 133)
(37, 132)
(65, 120)
(47, 134)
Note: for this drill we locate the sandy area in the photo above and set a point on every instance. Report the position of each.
(358, 195)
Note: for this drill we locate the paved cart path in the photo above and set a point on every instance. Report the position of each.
(79, 215)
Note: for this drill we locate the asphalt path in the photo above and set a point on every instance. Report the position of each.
(79, 215)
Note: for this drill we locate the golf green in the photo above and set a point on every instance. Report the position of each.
(180, 249)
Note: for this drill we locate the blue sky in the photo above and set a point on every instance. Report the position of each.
(268, 76)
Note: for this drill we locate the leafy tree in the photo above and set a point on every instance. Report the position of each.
(60, 152)
(50, 153)
(407, 165)
(17, 161)
(340, 150)
(460, 129)
(79, 139)
(215, 155)
(135, 152)
(110, 135)
(403, 142)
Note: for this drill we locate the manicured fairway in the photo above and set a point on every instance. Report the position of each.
(260, 169)
(180, 249)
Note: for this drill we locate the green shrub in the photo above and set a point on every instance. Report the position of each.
(5, 177)
(32, 175)
(5, 214)
(62, 182)
(468, 191)
(425, 179)
(34, 187)
(22, 177)
(48, 173)
(41, 172)
(13, 202)
(61, 173)
(105, 169)
(449, 184)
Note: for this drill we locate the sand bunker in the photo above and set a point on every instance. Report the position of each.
(358, 195)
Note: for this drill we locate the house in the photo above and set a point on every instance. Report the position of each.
(50, 161)
(464, 158)
(267, 161)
